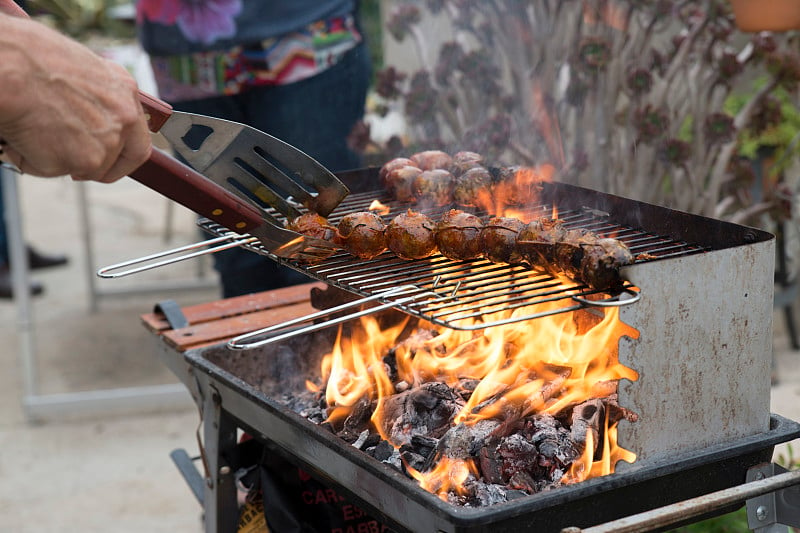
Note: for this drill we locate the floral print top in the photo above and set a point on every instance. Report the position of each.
(205, 48)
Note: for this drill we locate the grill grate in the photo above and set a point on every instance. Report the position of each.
(470, 295)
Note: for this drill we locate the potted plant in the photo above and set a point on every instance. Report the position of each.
(766, 15)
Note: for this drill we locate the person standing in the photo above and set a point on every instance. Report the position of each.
(296, 69)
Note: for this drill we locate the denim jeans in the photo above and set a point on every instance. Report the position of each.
(315, 115)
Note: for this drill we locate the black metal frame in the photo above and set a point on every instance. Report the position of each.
(228, 404)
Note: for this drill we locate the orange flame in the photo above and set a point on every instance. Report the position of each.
(449, 475)
(536, 366)
(379, 208)
(521, 189)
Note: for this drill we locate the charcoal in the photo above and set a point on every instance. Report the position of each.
(383, 450)
(315, 414)
(587, 418)
(523, 481)
(489, 461)
(456, 443)
(413, 459)
(357, 421)
(362, 438)
(517, 455)
(488, 494)
(395, 460)
(423, 445)
(425, 410)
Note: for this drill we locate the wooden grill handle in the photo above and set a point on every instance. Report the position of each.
(157, 111)
(171, 178)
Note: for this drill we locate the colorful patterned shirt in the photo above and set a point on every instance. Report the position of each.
(205, 48)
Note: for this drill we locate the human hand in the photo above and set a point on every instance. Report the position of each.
(64, 109)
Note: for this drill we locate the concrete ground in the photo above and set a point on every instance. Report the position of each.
(111, 471)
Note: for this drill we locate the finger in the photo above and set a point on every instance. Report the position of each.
(135, 152)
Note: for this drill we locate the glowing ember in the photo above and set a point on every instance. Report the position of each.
(449, 386)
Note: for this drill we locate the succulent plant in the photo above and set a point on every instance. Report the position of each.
(627, 97)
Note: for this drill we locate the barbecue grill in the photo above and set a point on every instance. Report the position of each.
(699, 294)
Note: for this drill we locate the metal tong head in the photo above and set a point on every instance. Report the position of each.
(251, 163)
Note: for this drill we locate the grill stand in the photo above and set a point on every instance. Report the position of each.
(771, 493)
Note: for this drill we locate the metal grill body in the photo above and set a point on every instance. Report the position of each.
(703, 356)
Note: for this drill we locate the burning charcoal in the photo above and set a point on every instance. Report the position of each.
(357, 420)
(314, 414)
(456, 443)
(394, 460)
(523, 481)
(517, 455)
(587, 417)
(490, 463)
(413, 459)
(362, 438)
(424, 445)
(426, 410)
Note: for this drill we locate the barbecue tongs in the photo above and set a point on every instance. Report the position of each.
(237, 173)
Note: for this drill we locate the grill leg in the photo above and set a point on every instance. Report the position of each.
(219, 438)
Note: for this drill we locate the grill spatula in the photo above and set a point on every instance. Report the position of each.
(237, 172)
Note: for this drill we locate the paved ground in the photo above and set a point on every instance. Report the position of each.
(112, 472)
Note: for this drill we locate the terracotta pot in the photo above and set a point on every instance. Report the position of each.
(766, 15)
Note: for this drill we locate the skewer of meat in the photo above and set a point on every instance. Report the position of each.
(544, 244)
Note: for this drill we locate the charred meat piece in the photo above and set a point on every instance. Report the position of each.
(312, 225)
(601, 263)
(458, 235)
(463, 161)
(397, 162)
(400, 182)
(361, 234)
(473, 187)
(432, 159)
(499, 239)
(537, 243)
(434, 187)
(316, 226)
(569, 253)
(411, 235)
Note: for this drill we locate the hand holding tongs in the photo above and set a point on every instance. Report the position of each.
(238, 171)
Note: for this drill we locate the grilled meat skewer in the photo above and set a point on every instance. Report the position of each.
(544, 244)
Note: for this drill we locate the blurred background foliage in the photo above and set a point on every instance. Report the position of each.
(83, 18)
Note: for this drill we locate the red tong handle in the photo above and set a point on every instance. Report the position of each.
(157, 111)
(181, 183)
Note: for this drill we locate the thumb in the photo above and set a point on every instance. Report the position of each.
(9, 7)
